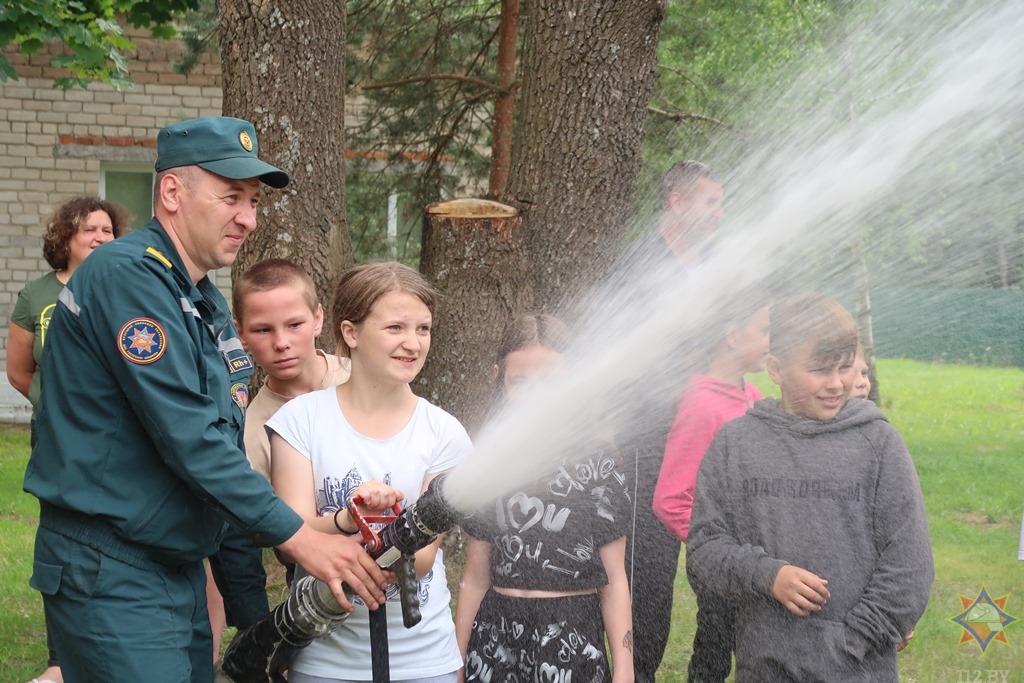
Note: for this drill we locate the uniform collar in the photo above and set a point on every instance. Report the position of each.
(162, 243)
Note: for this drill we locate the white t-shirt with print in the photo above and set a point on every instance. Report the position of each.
(342, 458)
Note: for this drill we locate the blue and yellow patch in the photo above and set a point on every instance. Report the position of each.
(142, 340)
(240, 395)
(240, 363)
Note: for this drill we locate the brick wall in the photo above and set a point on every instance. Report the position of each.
(53, 141)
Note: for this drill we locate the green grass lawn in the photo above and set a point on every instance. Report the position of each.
(964, 426)
(22, 636)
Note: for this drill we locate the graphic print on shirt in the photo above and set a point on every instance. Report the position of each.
(526, 522)
(333, 495)
(44, 322)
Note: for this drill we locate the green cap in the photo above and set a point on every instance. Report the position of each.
(220, 144)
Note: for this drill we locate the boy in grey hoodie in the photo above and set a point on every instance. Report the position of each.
(808, 515)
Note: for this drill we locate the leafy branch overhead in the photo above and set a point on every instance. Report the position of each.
(94, 43)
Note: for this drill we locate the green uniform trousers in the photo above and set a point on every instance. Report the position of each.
(112, 620)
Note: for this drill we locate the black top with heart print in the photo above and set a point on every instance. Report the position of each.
(547, 536)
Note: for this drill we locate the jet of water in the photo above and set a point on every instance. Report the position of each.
(805, 193)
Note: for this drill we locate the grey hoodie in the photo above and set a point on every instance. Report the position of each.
(839, 498)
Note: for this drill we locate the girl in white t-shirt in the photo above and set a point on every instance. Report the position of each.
(373, 437)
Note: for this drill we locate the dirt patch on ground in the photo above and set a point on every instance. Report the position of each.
(981, 520)
(21, 519)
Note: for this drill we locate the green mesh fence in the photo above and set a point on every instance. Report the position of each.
(978, 326)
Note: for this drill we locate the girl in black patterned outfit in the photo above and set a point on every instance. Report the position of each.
(545, 572)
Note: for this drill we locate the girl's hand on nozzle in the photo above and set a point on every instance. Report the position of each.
(800, 591)
(377, 497)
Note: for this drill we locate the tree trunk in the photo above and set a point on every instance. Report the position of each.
(1004, 263)
(504, 105)
(473, 253)
(865, 327)
(284, 70)
(587, 73)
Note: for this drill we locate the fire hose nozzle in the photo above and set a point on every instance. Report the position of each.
(311, 611)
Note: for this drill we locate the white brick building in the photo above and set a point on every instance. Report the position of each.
(55, 144)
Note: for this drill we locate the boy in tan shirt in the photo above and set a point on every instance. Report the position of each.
(279, 318)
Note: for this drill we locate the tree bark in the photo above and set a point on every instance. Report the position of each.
(473, 253)
(587, 74)
(284, 70)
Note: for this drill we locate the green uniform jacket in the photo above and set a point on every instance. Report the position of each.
(140, 417)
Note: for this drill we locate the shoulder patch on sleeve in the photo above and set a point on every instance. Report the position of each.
(142, 341)
(240, 395)
(155, 253)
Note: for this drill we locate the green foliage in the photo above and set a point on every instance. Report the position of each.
(93, 39)
(366, 197)
(954, 217)
(423, 68)
(419, 70)
(732, 79)
(713, 57)
(198, 31)
(749, 85)
(715, 60)
(419, 73)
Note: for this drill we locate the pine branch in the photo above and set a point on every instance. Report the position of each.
(491, 87)
(688, 116)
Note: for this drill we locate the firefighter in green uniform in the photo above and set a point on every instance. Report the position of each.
(138, 466)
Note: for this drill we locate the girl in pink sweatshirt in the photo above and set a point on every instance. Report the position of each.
(709, 401)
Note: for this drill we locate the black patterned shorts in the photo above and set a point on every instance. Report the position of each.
(538, 640)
